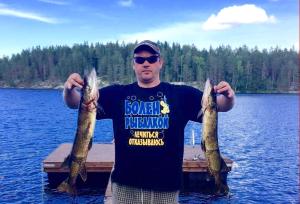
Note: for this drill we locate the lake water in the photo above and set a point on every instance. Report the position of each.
(260, 134)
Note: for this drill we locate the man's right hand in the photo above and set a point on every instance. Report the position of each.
(71, 96)
(74, 80)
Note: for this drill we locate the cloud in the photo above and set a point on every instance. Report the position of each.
(126, 3)
(105, 17)
(4, 11)
(183, 32)
(235, 15)
(55, 2)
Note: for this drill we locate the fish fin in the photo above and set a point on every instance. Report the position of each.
(222, 189)
(96, 104)
(200, 114)
(224, 166)
(221, 183)
(100, 110)
(66, 187)
(83, 173)
(203, 146)
(66, 162)
(90, 144)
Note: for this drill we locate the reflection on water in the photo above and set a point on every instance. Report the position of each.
(260, 134)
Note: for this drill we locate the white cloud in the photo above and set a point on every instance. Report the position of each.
(179, 32)
(126, 3)
(235, 15)
(56, 2)
(105, 17)
(4, 11)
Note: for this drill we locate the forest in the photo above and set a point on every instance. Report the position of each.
(248, 70)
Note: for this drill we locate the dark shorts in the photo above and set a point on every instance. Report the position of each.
(130, 195)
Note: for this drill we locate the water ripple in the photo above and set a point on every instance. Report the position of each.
(260, 134)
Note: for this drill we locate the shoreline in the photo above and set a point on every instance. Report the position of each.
(61, 87)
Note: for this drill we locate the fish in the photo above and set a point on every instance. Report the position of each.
(84, 134)
(209, 141)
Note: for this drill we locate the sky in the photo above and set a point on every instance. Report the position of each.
(254, 23)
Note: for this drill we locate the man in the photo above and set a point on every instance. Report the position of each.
(149, 117)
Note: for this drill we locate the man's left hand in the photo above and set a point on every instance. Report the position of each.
(225, 89)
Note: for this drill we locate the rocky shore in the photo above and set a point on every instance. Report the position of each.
(41, 84)
(36, 85)
(60, 85)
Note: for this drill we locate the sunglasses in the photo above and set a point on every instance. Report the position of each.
(140, 60)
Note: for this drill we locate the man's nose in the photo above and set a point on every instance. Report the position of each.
(146, 63)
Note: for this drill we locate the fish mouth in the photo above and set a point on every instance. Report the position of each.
(208, 86)
(91, 82)
(208, 89)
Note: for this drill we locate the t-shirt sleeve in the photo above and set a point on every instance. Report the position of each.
(107, 98)
(192, 98)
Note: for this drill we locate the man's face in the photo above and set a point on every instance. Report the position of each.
(147, 72)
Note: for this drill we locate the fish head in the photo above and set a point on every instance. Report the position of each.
(209, 95)
(90, 87)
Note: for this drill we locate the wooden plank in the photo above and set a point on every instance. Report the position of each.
(99, 152)
(101, 159)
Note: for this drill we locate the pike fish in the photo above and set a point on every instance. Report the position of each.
(84, 134)
(209, 142)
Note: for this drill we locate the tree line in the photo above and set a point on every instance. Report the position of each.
(247, 70)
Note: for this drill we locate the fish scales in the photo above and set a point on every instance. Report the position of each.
(84, 134)
(209, 142)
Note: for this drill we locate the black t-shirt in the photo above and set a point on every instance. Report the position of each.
(148, 128)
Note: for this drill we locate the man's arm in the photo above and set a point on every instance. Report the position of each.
(226, 99)
(72, 92)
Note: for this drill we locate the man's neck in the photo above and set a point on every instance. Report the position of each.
(148, 85)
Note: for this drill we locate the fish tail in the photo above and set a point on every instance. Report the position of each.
(222, 187)
(66, 187)
(224, 166)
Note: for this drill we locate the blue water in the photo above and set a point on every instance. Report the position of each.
(260, 134)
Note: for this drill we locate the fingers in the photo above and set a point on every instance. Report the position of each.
(74, 80)
(75, 83)
(230, 93)
(221, 87)
(225, 89)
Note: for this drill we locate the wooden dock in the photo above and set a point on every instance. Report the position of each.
(100, 161)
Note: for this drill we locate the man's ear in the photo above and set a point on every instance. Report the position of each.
(132, 64)
(161, 61)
